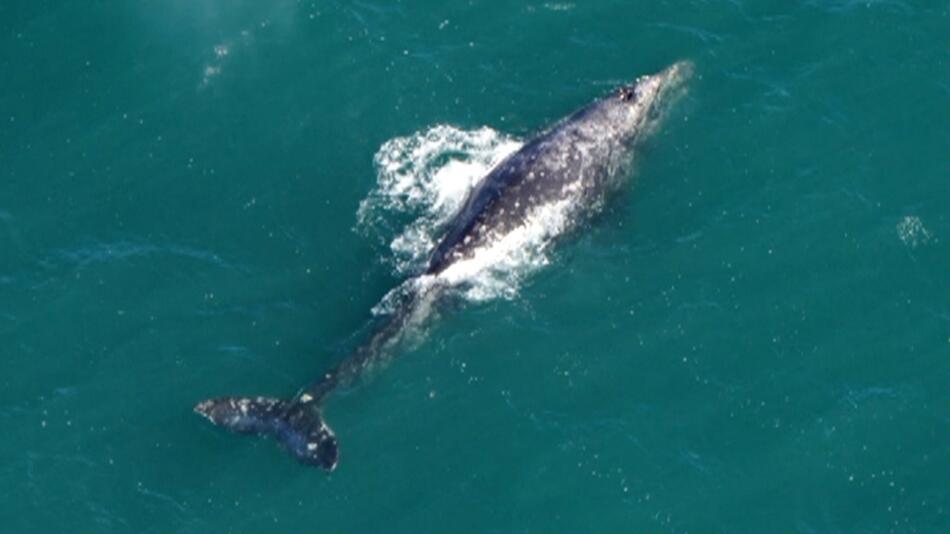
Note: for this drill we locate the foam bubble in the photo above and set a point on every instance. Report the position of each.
(559, 6)
(911, 231)
(425, 177)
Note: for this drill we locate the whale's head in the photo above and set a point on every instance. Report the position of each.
(607, 131)
(635, 109)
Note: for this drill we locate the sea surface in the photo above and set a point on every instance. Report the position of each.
(204, 198)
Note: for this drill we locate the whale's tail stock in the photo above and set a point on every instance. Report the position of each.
(296, 424)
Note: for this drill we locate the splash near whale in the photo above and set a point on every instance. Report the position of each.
(479, 236)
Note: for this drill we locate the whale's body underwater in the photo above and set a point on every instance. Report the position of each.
(564, 173)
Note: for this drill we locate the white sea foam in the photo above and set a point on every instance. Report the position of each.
(434, 170)
(911, 231)
(422, 181)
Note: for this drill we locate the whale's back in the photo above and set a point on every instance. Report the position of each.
(569, 164)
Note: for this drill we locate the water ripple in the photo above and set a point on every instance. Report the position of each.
(101, 252)
(845, 6)
(699, 33)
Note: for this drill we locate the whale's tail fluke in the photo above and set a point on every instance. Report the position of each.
(297, 424)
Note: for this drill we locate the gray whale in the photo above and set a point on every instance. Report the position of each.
(573, 166)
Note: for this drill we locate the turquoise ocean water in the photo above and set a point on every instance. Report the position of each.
(755, 337)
